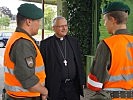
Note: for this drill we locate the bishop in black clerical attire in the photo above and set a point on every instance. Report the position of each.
(65, 77)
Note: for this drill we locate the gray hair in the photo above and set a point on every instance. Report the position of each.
(57, 18)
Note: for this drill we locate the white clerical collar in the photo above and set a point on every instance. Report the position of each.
(61, 38)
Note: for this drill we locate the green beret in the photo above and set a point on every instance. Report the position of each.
(116, 6)
(30, 11)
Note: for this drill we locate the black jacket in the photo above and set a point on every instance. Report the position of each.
(53, 65)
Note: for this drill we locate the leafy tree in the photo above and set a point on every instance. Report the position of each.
(4, 21)
(79, 16)
(80, 19)
(130, 18)
(49, 14)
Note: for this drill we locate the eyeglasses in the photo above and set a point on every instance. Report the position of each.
(61, 26)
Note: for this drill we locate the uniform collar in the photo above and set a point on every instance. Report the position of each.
(122, 31)
(18, 29)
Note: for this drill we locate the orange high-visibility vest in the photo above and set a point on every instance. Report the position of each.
(12, 85)
(121, 70)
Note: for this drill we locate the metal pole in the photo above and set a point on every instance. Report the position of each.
(94, 27)
(43, 20)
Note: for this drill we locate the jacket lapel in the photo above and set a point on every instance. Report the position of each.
(71, 42)
(57, 53)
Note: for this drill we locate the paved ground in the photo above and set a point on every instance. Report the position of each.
(85, 95)
(2, 70)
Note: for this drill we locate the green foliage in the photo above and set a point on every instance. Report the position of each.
(47, 32)
(130, 18)
(4, 21)
(80, 20)
(79, 15)
(49, 14)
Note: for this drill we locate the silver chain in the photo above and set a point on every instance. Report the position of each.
(64, 56)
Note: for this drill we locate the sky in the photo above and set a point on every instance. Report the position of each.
(14, 4)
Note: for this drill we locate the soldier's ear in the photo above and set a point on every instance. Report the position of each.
(28, 22)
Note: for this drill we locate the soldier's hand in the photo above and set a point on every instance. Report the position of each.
(44, 97)
(45, 94)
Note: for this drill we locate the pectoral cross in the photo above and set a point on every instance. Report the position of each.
(65, 62)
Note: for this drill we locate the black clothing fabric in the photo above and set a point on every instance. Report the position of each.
(54, 65)
(68, 91)
(64, 49)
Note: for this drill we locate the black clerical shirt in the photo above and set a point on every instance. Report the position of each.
(63, 46)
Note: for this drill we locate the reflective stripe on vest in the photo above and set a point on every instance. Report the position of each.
(9, 70)
(121, 77)
(121, 70)
(115, 89)
(15, 88)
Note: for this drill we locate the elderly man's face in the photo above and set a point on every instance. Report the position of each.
(60, 28)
